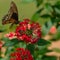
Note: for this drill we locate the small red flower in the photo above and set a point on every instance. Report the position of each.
(21, 54)
(53, 30)
(1, 44)
(10, 35)
(28, 32)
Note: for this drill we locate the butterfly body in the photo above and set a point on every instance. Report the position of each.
(11, 16)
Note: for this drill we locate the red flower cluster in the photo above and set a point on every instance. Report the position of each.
(21, 54)
(28, 31)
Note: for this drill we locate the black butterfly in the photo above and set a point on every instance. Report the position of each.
(11, 16)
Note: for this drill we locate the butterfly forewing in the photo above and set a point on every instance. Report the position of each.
(12, 15)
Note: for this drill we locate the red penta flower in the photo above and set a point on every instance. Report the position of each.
(28, 31)
(10, 35)
(21, 54)
(1, 44)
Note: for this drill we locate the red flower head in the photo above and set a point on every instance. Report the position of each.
(21, 54)
(29, 32)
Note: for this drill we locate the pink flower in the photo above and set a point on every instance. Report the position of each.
(53, 30)
(29, 26)
(10, 35)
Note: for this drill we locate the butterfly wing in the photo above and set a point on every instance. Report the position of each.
(12, 16)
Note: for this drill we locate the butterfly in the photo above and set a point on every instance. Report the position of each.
(11, 16)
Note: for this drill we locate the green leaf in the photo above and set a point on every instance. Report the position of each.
(49, 58)
(45, 16)
(44, 30)
(57, 4)
(0, 58)
(48, 7)
(5, 39)
(10, 42)
(57, 10)
(43, 42)
(49, 23)
(36, 16)
(22, 45)
(31, 47)
(40, 51)
(43, 50)
(39, 2)
(9, 50)
(46, 27)
(58, 29)
(39, 57)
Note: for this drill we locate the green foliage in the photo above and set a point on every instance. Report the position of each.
(39, 2)
(21, 45)
(49, 58)
(43, 42)
(31, 48)
(36, 15)
(46, 27)
(49, 10)
(9, 43)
